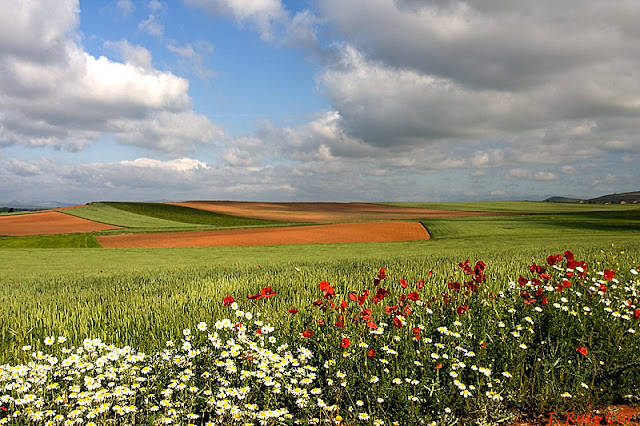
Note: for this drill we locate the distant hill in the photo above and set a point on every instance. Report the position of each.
(31, 205)
(623, 198)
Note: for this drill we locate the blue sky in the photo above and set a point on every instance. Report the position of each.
(327, 100)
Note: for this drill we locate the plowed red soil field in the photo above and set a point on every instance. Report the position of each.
(48, 222)
(313, 234)
(324, 212)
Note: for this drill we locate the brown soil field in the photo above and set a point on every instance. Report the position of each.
(48, 222)
(312, 234)
(324, 212)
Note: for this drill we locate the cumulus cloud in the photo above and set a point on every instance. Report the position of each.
(125, 7)
(52, 93)
(263, 15)
(517, 173)
(180, 164)
(152, 24)
(193, 55)
(270, 18)
(538, 75)
(22, 168)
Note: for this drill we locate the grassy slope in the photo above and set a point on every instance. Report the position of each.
(109, 214)
(50, 241)
(520, 206)
(190, 215)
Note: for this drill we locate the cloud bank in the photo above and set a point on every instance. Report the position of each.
(428, 100)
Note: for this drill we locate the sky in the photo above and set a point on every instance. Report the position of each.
(318, 100)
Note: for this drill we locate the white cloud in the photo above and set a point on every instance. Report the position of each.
(179, 165)
(151, 26)
(269, 17)
(263, 14)
(134, 55)
(67, 98)
(125, 7)
(545, 176)
(518, 174)
(193, 54)
(22, 168)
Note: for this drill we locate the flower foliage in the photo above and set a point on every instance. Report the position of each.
(397, 351)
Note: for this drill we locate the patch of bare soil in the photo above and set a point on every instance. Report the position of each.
(313, 234)
(48, 222)
(324, 212)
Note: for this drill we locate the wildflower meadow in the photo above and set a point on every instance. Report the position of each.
(559, 335)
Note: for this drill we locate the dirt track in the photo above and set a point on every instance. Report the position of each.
(314, 234)
(48, 222)
(324, 212)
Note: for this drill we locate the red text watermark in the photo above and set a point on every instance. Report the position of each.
(571, 418)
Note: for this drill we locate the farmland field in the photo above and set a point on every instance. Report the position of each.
(144, 297)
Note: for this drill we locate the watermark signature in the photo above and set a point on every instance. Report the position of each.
(612, 417)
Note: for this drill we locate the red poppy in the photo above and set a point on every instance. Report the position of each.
(522, 281)
(228, 301)
(584, 351)
(603, 288)
(397, 321)
(259, 331)
(345, 342)
(254, 296)
(330, 292)
(380, 294)
(344, 304)
(366, 314)
(307, 333)
(553, 259)
(465, 266)
(537, 269)
(568, 255)
(483, 345)
(372, 325)
(420, 285)
(389, 309)
(403, 282)
(293, 311)
(382, 274)
(353, 296)
(327, 289)
(320, 322)
(371, 353)
(430, 273)
(414, 296)
(609, 274)
(317, 302)
(339, 324)
(416, 333)
(438, 366)
(636, 314)
(462, 309)
(267, 292)
(454, 286)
